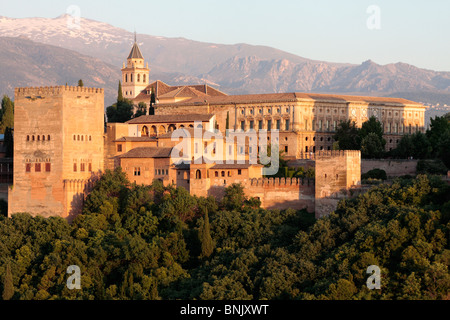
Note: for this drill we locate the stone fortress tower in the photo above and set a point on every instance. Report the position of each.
(134, 74)
(58, 148)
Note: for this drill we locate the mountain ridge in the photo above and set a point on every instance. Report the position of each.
(234, 69)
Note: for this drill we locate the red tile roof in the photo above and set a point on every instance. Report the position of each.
(291, 97)
(161, 118)
(147, 152)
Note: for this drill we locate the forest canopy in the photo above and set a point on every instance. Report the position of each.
(156, 242)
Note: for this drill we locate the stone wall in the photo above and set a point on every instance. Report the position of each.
(393, 168)
(283, 193)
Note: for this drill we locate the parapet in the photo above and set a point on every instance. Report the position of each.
(337, 153)
(282, 182)
(51, 91)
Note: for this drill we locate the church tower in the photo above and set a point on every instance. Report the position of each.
(134, 74)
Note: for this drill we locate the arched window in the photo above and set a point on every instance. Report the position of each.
(144, 78)
(78, 137)
(38, 138)
(223, 173)
(126, 77)
(144, 131)
(43, 138)
(28, 138)
(153, 131)
(139, 77)
(131, 77)
(198, 174)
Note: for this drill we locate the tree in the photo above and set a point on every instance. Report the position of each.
(234, 197)
(80, 83)
(151, 110)
(7, 120)
(8, 286)
(347, 136)
(372, 146)
(438, 127)
(205, 238)
(9, 143)
(227, 123)
(421, 146)
(119, 93)
(120, 112)
(141, 110)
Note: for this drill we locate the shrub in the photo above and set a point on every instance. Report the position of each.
(374, 174)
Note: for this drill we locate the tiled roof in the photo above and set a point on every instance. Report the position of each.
(135, 52)
(163, 90)
(291, 97)
(147, 152)
(135, 139)
(186, 132)
(234, 166)
(160, 118)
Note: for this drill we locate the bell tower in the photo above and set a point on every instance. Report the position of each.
(134, 73)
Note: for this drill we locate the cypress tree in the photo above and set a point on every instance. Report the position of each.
(7, 114)
(8, 286)
(205, 238)
(120, 93)
(80, 83)
(227, 125)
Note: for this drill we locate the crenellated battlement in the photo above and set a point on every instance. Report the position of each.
(282, 182)
(56, 90)
(337, 153)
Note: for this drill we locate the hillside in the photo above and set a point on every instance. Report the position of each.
(234, 69)
(26, 63)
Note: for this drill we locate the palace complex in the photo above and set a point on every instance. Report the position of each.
(61, 144)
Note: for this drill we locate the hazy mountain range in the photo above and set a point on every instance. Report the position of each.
(41, 51)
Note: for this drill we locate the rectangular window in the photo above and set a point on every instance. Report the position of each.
(37, 167)
(74, 167)
(306, 124)
(286, 149)
(286, 125)
(269, 124)
(251, 125)
(314, 125)
(137, 171)
(239, 172)
(334, 125)
(48, 167)
(278, 124)
(328, 125)
(242, 125)
(260, 124)
(119, 148)
(28, 167)
(82, 167)
(90, 167)
(320, 125)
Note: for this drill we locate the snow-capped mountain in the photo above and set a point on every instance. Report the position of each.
(239, 68)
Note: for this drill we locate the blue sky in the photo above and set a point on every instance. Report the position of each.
(411, 31)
